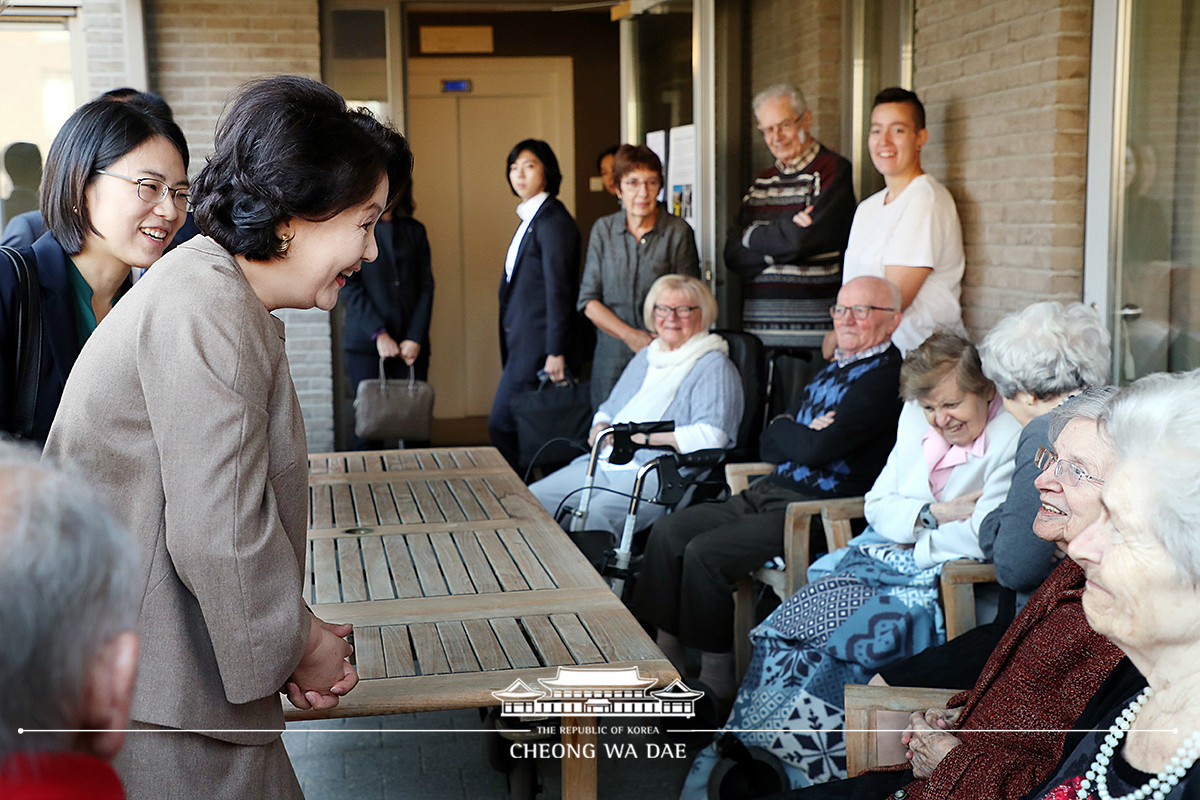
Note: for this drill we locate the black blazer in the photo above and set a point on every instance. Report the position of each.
(60, 334)
(394, 292)
(537, 305)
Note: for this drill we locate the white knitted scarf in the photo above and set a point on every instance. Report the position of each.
(651, 401)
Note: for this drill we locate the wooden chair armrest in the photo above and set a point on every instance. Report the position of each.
(958, 593)
(836, 516)
(738, 476)
(862, 704)
(964, 570)
(797, 528)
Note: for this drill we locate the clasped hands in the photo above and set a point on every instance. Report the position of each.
(928, 740)
(323, 674)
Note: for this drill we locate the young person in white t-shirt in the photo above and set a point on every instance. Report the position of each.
(908, 232)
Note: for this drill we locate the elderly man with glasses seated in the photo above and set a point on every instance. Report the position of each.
(627, 252)
(793, 226)
(833, 442)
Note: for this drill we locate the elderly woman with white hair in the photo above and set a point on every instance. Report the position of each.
(683, 375)
(1142, 561)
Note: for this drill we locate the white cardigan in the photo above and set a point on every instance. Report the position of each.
(896, 499)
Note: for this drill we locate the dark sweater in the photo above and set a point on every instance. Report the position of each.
(845, 458)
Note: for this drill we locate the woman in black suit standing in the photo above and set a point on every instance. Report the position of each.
(538, 288)
(389, 305)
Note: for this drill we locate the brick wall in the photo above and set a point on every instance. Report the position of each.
(198, 52)
(798, 41)
(1005, 87)
(103, 24)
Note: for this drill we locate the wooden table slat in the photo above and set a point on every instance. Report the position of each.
(446, 502)
(350, 568)
(577, 639)
(429, 507)
(405, 503)
(486, 498)
(476, 562)
(355, 463)
(318, 465)
(459, 652)
(368, 653)
(322, 506)
(375, 566)
(364, 505)
(512, 640)
(535, 574)
(502, 564)
(397, 654)
(325, 577)
(427, 647)
(466, 499)
(343, 507)
(426, 460)
(514, 497)
(428, 572)
(392, 462)
(451, 563)
(485, 644)
(403, 572)
(385, 504)
(487, 457)
(615, 642)
(549, 644)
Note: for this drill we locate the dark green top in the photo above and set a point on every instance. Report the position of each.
(85, 315)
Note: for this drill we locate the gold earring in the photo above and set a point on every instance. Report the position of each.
(285, 241)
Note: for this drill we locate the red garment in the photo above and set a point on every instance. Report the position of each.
(1039, 678)
(58, 776)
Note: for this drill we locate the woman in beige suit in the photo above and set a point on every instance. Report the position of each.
(182, 407)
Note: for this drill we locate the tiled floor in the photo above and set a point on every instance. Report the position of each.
(440, 756)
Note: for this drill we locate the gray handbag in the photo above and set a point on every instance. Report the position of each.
(394, 409)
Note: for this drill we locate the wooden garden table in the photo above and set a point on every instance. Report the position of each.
(457, 582)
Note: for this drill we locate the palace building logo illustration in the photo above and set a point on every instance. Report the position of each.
(598, 691)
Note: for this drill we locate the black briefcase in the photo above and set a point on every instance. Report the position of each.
(553, 421)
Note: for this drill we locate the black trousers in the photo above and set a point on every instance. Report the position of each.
(694, 559)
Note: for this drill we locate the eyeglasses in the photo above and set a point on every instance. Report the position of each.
(153, 191)
(633, 185)
(1073, 472)
(859, 312)
(682, 312)
(787, 126)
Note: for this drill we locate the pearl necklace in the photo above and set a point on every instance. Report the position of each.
(1161, 784)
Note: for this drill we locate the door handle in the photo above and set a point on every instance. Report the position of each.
(1130, 312)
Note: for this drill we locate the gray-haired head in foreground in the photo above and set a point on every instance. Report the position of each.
(1046, 350)
(1089, 404)
(1154, 426)
(788, 90)
(67, 575)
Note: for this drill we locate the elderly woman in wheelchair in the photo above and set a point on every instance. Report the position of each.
(683, 375)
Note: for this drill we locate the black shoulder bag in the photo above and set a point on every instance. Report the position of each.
(27, 324)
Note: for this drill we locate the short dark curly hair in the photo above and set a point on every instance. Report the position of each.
(95, 137)
(288, 147)
(549, 164)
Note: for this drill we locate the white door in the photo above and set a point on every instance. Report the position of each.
(460, 141)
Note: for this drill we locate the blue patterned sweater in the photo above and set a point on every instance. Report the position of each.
(845, 458)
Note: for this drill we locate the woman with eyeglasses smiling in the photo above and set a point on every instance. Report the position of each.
(683, 375)
(627, 252)
(113, 195)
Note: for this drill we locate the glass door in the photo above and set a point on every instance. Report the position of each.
(1154, 289)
